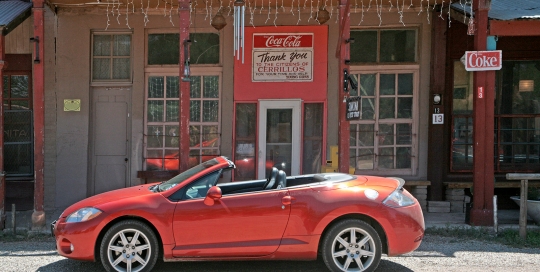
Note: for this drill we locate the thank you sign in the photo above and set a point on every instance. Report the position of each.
(353, 108)
(283, 57)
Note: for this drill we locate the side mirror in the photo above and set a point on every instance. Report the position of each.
(214, 194)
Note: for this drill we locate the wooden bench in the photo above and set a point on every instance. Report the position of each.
(498, 184)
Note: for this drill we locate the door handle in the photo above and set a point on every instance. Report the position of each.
(287, 200)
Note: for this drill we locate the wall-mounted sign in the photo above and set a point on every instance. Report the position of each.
(353, 108)
(72, 105)
(482, 60)
(438, 119)
(284, 57)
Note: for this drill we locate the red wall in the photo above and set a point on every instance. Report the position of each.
(315, 90)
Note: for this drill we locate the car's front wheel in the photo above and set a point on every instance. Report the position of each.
(129, 246)
(352, 245)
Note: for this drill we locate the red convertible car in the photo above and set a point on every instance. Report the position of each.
(347, 220)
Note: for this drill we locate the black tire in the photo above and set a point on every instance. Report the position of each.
(120, 252)
(341, 253)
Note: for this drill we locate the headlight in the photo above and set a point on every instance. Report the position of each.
(398, 199)
(83, 215)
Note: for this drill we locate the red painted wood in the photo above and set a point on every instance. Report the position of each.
(316, 90)
(183, 13)
(514, 28)
(482, 211)
(344, 126)
(39, 110)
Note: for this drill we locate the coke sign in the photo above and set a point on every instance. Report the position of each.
(283, 40)
(482, 60)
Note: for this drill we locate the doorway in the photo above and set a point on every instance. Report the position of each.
(110, 142)
(279, 136)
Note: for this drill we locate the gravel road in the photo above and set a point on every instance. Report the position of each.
(435, 254)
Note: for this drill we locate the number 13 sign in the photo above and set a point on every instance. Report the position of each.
(438, 118)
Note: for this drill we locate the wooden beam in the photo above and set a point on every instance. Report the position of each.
(183, 13)
(343, 50)
(514, 28)
(2, 178)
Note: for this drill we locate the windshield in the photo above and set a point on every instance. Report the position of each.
(185, 175)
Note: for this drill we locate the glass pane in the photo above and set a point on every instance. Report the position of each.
(155, 87)
(387, 84)
(171, 161)
(155, 136)
(121, 68)
(386, 158)
(313, 124)
(404, 134)
(386, 134)
(367, 84)
(364, 48)
(246, 115)
(462, 98)
(387, 108)
(155, 111)
(19, 86)
(20, 162)
(195, 87)
(154, 159)
(365, 159)
(463, 131)
(163, 49)
(403, 157)
(101, 69)
(405, 107)
(211, 87)
(122, 45)
(368, 109)
(17, 127)
(520, 88)
(279, 139)
(353, 134)
(20, 104)
(6, 87)
(172, 112)
(405, 84)
(195, 111)
(210, 136)
(204, 48)
(102, 45)
(194, 157)
(398, 46)
(210, 111)
(171, 140)
(194, 136)
(353, 92)
(366, 135)
(173, 87)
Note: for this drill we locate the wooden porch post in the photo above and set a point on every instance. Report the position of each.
(38, 217)
(483, 126)
(183, 13)
(343, 54)
(2, 178)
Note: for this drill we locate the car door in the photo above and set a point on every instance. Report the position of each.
(246, 224)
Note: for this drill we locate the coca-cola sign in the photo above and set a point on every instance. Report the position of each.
(301, 40)
(482, 60)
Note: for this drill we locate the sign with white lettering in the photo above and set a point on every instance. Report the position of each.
(282, 57)
(482, 60)
(353, 108)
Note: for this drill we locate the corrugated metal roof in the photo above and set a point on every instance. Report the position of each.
(12, 13)
(507, 9)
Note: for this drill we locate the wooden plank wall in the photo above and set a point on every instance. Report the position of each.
(18, 40)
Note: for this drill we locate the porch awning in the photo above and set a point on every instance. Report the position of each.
(505, 10)
(13, 13)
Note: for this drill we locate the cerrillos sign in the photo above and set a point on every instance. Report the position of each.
(282, 57)
(482, 60)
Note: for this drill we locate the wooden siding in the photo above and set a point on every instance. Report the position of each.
(18, 40)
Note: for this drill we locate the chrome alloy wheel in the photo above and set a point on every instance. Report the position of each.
(353, 249)
(129, 250)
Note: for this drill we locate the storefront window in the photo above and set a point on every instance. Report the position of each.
(384, 46)
(313, 137)
(18, 124)
(164, 48)
(111, 57)
(383, 137)
(246, 128)
(517, 117)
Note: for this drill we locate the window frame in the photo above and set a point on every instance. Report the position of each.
(102, 82)
(414, 120)
(416, 61)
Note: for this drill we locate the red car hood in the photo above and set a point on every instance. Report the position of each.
(107, 197)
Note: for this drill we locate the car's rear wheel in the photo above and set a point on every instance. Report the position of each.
(352, 245)
(130, 246)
